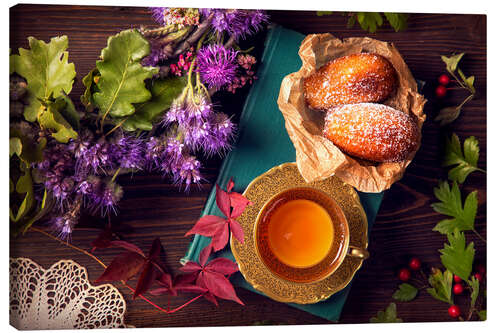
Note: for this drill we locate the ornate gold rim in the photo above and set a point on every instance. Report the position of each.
(259, 191)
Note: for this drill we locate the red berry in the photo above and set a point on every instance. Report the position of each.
(481, 269)
(458, 289)
(454, 311)
(441, 91)
(404, 274)
(444, 79)
(478, 276)
(415, 264)
(457, 279)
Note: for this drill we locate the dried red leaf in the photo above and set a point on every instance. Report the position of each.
(207, 225)
(220, 239)
(123, 267)
(148, 276)
(239, 204)
(230, 185)
(191, 267)
(103, 240)
(218, 285)
(127, 246)
(204, 254)
(160, 291)
(237, 230)
(223, 201)
(165, 279)
(223, 266)
(211, 298)
(155, 250)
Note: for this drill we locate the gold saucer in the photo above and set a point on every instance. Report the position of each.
(259, 191)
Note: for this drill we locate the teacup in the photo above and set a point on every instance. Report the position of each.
(302, 235)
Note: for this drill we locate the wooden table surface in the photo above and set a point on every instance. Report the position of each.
(152, 207)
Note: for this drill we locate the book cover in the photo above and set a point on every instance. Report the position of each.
(263, 143)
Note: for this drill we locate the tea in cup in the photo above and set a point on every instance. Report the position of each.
(302, 235)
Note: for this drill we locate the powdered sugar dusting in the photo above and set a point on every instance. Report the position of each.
(356, 78)
(372, 131)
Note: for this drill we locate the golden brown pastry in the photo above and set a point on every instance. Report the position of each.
(374, 132)
(356, 78)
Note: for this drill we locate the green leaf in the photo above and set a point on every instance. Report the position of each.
(456, 257)
(351, 21)
(69, 112)
(47, 71)
(164, 91)
(387, 316)
(448, 115)
(89, 81)
(452, 62)
(25, 185)
(470, 83)
(397, 21)
(121, 83)
(12, 67)
(370, 21)
(451, 205)
(51, 118)
(15, 146)
(32, 151)
(465, 161)
(405, 293)
(474, 284)
(326, 12)
(441, 285)
(22, 226)
(482, 315)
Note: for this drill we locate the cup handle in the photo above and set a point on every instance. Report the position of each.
(358, 252)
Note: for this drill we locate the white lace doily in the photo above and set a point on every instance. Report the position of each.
(61, 297)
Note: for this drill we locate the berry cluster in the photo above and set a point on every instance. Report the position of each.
(441, 89)
(405, 274)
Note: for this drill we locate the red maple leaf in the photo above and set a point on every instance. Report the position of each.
(213, 276)
(128, 264)
(232, 205)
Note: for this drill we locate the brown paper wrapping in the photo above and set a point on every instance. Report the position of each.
(317, 157)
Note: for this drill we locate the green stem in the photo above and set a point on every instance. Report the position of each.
(478, 235)
(116, 174)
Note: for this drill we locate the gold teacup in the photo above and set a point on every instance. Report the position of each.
(302, 235)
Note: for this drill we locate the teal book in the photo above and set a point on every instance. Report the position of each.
(263, 143)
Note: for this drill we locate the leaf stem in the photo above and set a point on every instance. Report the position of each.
(123, 282)
(479, 235)
(115, 174)
(116, 127)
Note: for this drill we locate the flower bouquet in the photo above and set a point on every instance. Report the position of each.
(147, 106)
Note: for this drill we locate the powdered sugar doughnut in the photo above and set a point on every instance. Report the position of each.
(374, 132)
(356, 78)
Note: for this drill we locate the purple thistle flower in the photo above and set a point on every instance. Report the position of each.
(236, 22)
(155, 56)
(198, 107)
(153, 153)
(95, 158)
(158, 14)
(176, 113)
(222, 131)
(128, 152)
(57, 171)
(194, 133)
(187, 171)
(217, 65)
(172, 155)
(64, 224)
(111, 194)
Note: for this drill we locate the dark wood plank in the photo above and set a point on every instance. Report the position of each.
(153, 208)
